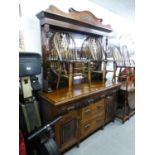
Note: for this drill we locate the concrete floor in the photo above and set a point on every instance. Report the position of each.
(115, 139)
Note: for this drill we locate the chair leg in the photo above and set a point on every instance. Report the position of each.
(58, 81)
(89, 74)
(70, 75)
(59, 76)
(103, 76)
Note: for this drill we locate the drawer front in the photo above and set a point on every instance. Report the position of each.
(87, 112)
(92, 125)
(99, 107)
(86, 128)
(99, 121)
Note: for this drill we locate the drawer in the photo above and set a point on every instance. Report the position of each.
(99, 121)
(87, 112)
(92, 125)
(99, 107)
(87, 128)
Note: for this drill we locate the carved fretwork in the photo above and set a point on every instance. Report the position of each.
(68, 130)
(46, 35)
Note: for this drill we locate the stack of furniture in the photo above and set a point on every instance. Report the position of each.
(124, 73)
(64, 58)
(84, 106)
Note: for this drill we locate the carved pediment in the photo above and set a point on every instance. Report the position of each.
(82, 16)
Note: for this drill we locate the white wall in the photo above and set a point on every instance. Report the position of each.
(31, 26)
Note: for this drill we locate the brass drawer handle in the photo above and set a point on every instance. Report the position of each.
(90, 100)
(87, 111)
(70, 108)
(87, 126)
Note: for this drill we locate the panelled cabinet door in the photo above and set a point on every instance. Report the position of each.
(67, 130)
(110, 107)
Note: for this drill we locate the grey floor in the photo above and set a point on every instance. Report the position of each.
(115, 139)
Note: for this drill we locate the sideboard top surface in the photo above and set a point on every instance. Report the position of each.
(64, 95)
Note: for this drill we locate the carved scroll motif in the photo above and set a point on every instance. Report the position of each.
(86, 16)
(82, 16)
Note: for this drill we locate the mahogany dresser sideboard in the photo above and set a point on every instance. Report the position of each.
(85, 106)
(84, 109)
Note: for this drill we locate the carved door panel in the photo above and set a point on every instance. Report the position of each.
(67, 130)
(110, 108)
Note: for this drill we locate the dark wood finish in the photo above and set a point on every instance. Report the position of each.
(61, 96)
(87, 112)
(46, 34)
(86, 128)
(83, 110)
(92, 117)
(67, 130)
(110, 108)
(125, 112)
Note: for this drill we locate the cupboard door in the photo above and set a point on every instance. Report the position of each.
(67, 130)
(110, 108)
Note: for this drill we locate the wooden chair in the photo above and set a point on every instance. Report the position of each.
(93, 50)
(124, 73)
(64, 58)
